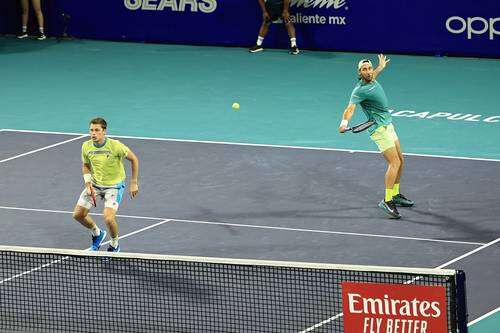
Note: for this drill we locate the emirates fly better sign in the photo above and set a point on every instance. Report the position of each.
(393, 308)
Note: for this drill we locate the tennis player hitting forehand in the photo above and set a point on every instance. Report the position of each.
(104, 177)
(371, 96)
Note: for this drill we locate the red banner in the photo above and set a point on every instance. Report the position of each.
(393, 308)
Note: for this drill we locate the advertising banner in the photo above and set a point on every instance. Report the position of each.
(446, 27)
(393, 308)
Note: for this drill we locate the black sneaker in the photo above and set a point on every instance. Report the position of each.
(402, 201)
(41, 36)
(390, 208)
(294, 50)
(256, 48)
(113, 249)
(23, 35)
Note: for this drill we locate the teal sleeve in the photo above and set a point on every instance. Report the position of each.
(357, 96)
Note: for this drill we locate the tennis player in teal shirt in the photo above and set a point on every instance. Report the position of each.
(370, 95)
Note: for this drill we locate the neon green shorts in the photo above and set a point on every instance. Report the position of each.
(385, 137)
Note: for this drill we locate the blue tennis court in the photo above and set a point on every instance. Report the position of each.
(271, 181)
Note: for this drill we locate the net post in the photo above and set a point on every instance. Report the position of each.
(461, 295)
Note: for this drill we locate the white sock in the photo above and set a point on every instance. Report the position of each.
(260, 40)
(114, 242)
(25, 28)
(41, 30)
(293, 41)
(95, 230)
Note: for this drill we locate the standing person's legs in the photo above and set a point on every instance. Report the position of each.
(110, 221)
(393, 168)
(39, 16)
(37, 7)
(293, 40)
(80, 214)
(264, 28)
(290, 28)
(112, 200)
(25, 12)
(385, 141)
(24, 18)
(401, 158)
(398, 198)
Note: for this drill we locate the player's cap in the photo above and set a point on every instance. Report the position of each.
(362, 62)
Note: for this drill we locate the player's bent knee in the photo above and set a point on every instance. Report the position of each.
(396, 163)
(79, 215)
(109, 216)
(109, 220)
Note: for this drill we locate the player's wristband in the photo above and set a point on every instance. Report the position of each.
(87, 178)
(344, 123)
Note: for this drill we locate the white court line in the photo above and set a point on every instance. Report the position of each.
(330, 232)
(64, 258)
(68, 212)
(469, 253)
(260, 227)
(264, 145)
(486, 315)
(40, 149)
(338, 315)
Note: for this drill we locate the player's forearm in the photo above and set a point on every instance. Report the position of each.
(382, 63)
(348, 112)
(87, 178)
(134, 163)
(286, 5)
(377, 71)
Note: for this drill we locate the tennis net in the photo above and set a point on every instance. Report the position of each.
(58, 290)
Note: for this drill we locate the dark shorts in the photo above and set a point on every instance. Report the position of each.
(275, 9)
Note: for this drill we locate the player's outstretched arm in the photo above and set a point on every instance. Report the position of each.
(382, 62)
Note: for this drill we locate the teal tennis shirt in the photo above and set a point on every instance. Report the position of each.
(371, 96)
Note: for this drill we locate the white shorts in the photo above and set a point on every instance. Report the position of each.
(112, 196)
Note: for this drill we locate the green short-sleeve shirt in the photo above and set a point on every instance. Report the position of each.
(106, 161)
(371, 96)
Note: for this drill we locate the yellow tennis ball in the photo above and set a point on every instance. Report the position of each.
(236, 106)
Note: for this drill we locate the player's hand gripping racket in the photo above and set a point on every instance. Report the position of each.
(91, 194)
(360, 127)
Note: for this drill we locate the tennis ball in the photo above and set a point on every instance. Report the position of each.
(236, 106)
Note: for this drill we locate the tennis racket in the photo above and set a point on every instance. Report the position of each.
(360, 127)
